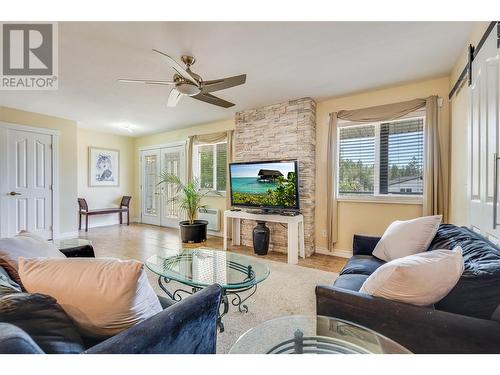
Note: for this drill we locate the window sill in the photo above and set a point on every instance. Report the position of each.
(378, 199)
(221, 194)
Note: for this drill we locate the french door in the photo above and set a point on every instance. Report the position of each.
(26, 186)
(484, 161)
(158, 205)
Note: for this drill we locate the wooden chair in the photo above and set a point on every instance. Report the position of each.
(84, 211)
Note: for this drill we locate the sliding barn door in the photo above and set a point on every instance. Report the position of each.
(484, 144)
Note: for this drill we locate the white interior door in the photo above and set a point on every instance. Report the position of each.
(483, 138)
(150, 162)
(173, 162)
(27, 189)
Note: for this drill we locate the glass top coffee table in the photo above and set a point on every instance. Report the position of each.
(198, 268)
(299, 334)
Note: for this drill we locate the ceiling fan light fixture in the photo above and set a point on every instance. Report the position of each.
(188, 83)
(188, 89)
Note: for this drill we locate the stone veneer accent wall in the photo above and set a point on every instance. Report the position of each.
(281, 131)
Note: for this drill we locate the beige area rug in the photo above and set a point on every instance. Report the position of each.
(289, 290)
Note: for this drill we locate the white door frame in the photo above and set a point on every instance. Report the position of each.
(156, 218)
(4, 126)
(172, 222)
(157, 147)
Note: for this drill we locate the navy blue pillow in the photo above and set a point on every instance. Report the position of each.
(477, 293)
(44, 320)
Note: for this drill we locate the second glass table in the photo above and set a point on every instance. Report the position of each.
(302, 334)
(238, 275)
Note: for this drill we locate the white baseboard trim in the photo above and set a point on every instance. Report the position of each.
(66, 235)
(215, 234)
(108, 224)
(336, 252)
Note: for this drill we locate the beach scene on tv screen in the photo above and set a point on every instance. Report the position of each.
(264, 184)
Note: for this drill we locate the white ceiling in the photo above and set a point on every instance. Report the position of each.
(282, 60)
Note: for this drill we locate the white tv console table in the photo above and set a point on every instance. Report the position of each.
(295, 226)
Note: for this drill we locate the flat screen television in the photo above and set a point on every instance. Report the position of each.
(270, 185)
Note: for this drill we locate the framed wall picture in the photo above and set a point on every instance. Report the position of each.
(104, 167)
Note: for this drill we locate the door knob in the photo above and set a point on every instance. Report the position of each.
(14, 193)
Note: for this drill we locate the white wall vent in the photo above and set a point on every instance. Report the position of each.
(212, 216)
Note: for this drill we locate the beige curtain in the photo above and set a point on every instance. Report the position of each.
(382, 112)
(436, 166)
(189, 158)
(331, 188)
(201, 139)
(227, 136)
(436, 161)
(230, 159)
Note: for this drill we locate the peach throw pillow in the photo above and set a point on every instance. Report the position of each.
(103, 296)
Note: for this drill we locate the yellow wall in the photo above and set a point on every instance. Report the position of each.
(459, 129)
(100, 197)
(176, 136)
(67, 159)
(359, 217)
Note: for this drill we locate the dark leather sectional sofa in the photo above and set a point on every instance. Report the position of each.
(467, 320)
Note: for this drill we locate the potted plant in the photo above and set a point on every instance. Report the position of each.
(189, 197)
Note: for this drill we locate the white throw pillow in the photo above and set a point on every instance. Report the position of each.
(103, 296)
(26, 245)
(409, 237)
(421, 279)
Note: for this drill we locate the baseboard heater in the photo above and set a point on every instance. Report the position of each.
(212, 215)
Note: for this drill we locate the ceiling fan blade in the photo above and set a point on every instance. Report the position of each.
(224, 83)
(177, 67)
(209, 98)
(146, 81)
(174, 98)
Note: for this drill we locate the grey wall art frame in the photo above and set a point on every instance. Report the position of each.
(104, 167)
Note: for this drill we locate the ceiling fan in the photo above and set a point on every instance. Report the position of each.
(188, 83)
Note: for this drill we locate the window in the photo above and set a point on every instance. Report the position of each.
(210, 166)
(381, 159)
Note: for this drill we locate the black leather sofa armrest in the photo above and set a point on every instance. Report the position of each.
(79, 252)
(419, 329)
(364, 245)
(187, 327)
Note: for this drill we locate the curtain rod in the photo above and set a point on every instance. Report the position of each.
(473, 51)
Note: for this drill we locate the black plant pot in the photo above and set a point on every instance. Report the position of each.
(193, 233)
(261, 238)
